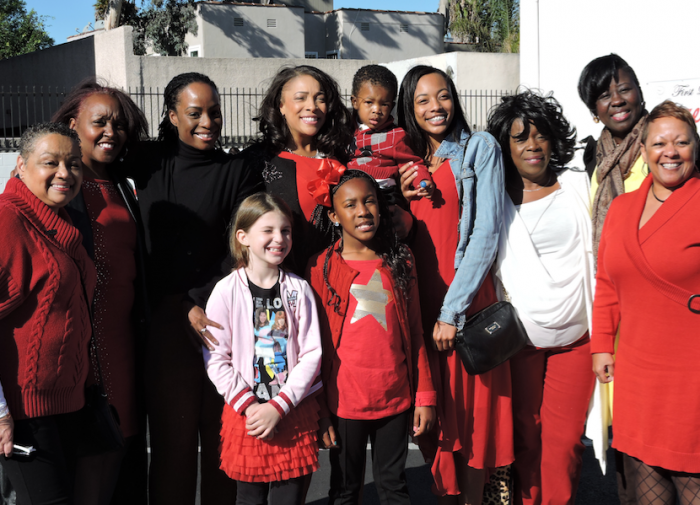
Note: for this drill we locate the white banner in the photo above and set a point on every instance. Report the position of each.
(685, 92)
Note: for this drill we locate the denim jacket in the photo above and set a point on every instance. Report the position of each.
(477, 165)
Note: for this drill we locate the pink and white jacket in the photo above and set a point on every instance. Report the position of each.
(231, 305)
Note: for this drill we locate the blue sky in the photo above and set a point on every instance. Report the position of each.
(66, 16)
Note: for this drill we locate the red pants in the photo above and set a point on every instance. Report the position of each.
(551, 391)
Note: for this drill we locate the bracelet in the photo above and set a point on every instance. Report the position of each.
(4, 411)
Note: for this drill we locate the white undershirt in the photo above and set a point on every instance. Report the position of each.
(556, 238)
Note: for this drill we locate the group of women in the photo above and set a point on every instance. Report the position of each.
(508, 219)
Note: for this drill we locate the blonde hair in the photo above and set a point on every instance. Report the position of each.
(253, 208)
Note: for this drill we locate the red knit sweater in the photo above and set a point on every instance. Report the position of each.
(44, 320)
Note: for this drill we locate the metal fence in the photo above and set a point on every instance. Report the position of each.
(23, 107)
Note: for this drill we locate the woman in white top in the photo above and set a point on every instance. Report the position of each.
(545, 264)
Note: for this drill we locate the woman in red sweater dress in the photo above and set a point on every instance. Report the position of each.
(106, 213)
(45, 277)
(648, 282)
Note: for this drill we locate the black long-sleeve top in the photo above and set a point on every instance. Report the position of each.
(187, 199)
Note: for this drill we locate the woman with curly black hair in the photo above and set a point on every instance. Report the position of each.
(302, 122)
(545, 264)
(366, 283)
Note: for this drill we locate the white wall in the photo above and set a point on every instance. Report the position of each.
(559, 37)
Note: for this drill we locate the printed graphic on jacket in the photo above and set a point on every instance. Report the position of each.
(270, 323)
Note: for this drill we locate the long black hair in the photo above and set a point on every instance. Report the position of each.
(334, 137)
(416, 138)
(395, 255)
(167, 132)
(596, 77)
(542, 111)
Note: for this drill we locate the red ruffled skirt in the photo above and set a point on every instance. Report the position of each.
(293, 451)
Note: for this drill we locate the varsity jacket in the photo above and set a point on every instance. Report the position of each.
(230, 364)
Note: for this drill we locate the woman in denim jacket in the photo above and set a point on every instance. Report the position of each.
(476, 430)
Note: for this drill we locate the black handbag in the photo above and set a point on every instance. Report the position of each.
(97, 423)
(490, 337)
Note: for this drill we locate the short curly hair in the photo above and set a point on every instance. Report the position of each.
(32, 135)
(542, 111)
(377, 75)
(667, 108)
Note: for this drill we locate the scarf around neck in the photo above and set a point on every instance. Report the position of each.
(614, 163)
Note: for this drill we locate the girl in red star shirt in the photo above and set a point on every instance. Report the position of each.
(365, 282)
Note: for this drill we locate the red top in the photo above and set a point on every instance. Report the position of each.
(656, 407)
(114, 235)
(306, 172)
(342, 276)
(475, 412)
(360, 388)
(380, 153)
(44, 319)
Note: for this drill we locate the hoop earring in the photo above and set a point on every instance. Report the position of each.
(596, 120)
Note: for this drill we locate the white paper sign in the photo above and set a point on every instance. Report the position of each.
(685, 92)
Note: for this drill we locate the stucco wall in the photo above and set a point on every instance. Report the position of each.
(37, 80)
(309, 5)
(558, 38)
(315, 33)
(221, 39)
(384, 41)
(7, 163)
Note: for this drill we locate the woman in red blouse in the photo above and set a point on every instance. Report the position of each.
(106, 213)
(648, 285)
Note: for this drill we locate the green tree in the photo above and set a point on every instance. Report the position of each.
(492, 24)
(159, 24)
(21, 32)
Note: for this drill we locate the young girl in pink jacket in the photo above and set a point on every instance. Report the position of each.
(266, 369)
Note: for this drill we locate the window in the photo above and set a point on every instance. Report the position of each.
(331, 55)
(311, 55)
(272, 23)
(403, 28)
(364, 27)
(237, 21)
(193, 51)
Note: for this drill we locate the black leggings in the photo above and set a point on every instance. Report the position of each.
(389, 438)
(285, 492)
(45, 477)
(657, 486)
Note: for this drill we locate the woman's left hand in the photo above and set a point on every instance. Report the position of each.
(444, 336)
(408, 175)
(423, 419)
(7, 432)
(199, 322)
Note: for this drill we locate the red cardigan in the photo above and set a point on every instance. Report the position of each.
(381, 153)
(341, 277)
(44, 320)
(656, 407)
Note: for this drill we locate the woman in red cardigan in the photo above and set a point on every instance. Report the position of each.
(648, 282)
(45, 276)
